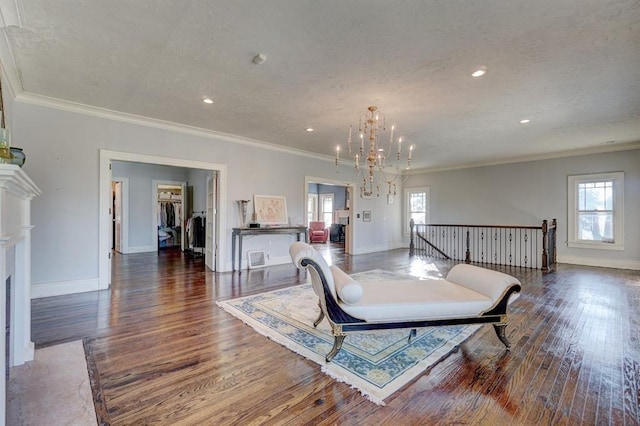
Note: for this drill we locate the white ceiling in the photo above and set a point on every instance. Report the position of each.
(571, 66)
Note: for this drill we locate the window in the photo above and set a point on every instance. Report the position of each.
(596, 211)
(326, 209)
(417, 206)
(312, 208)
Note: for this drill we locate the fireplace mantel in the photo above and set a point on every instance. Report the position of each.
(16, 192)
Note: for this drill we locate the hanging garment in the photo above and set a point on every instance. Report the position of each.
(197, 232)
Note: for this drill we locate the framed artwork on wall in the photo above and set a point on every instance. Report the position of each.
(270, 210)
(366, 216)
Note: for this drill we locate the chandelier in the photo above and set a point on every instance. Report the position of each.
(379, 162)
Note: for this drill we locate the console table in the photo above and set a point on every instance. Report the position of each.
(240, 232)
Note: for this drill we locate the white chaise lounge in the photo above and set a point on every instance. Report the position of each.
(468, 295)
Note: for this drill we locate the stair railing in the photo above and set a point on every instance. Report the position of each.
(509, 245)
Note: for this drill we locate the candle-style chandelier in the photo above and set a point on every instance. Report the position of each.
(381, 163)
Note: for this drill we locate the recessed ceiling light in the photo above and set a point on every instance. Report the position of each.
(309, 129)
(260, 59)
(525, 121)
(207, 101)
(479, 72)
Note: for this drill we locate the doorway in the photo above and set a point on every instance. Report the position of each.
(218, 245)
(331, 201)
(169, 214)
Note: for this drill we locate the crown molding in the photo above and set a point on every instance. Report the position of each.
(45, 101)
(59, 104)
(11, 13)
(548, 156)
(11, 84)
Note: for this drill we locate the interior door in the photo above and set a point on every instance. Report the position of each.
(117, 216)
(210, 224)
(184, 244)
(348, 227)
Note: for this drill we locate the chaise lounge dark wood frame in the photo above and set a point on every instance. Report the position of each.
(343, 323)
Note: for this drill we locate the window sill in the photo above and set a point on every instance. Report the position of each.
(595, 245)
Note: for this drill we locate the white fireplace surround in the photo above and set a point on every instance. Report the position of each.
(16, 192)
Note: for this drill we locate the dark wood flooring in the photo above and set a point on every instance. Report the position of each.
(162, 352)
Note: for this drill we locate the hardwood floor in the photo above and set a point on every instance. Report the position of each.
(164, 353)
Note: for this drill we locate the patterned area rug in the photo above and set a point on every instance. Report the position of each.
(377, 363)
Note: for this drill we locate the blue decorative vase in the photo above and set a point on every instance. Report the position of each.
(18, 157)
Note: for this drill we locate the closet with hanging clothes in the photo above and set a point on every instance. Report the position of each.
(170, 216)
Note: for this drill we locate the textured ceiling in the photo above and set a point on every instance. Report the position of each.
(571, 66)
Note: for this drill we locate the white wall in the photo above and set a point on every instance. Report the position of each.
(62, 149)
(528, 192)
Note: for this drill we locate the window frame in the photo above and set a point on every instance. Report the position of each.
(573, 182)
(312, 211)
(321, 212)
(407, 206)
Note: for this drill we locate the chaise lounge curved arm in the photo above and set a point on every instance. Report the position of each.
(468, 295)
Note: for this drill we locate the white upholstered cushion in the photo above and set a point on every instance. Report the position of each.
(468, 291)
(349, 290)
(490, 283)
(388, 301)
(298, 251)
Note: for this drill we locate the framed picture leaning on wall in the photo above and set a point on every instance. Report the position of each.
(270, 210)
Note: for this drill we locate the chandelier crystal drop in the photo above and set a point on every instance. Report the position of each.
(377, 160)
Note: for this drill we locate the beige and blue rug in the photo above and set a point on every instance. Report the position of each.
(377, 363)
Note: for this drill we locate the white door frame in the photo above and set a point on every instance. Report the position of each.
(104, 240)
(350, 233)
(211, 224)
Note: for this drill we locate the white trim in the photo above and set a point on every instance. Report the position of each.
(10, 80)
(106, 157)
(537, 157)
(78, 108)
(19, 95)
(380, 247)
(61, 288)
(600, 262)
(141, 249)
(321, 211)
(11, 13)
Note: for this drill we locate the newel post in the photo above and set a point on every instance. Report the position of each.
(467, 255)
(412, 245)
(554, 243)
(545, 246)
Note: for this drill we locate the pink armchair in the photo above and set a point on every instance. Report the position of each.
(318, 233)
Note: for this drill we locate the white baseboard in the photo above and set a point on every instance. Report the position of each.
(139, 249)
(281, 260)
(61, 288)
(272, 261)
(385, 247)
(603, 263)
